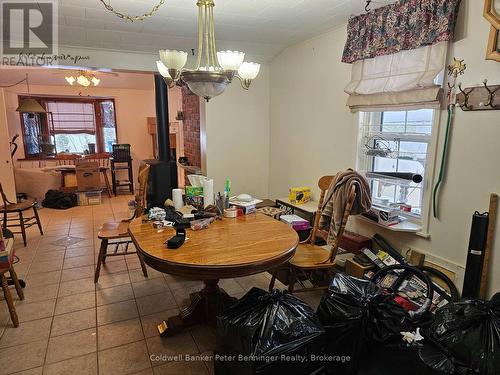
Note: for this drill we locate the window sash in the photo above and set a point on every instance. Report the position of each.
(371, 127)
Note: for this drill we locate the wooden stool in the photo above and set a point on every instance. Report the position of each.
(5, 284)
(17, 209)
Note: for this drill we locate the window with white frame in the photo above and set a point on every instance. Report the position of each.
(396, 141)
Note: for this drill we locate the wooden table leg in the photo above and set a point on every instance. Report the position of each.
(204, 308)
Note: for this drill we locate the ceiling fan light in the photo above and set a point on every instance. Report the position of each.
(249, 70)
(173, 59)
(95, 81)
(70, 80)
(162, 69)
(230, 60)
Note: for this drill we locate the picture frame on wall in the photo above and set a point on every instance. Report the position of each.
(492, 12)
(493, 50)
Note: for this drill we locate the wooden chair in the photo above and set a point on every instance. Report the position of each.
(310, 257)
(102, 159)
(5, 284)
(67, 159)
(15, 212)
(119, 230)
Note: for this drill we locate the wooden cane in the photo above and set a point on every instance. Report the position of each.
(483, 288)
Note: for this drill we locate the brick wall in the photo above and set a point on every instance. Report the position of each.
(191, 127)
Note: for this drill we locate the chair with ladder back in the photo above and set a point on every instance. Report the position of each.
(14, 212)
(310, 257)
(118, 231)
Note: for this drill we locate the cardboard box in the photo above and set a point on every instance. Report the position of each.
(87, 176)
(355, 269)
(385, 216)
(299, 195)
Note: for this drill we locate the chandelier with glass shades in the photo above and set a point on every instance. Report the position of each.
(214, 70)
(83, 79)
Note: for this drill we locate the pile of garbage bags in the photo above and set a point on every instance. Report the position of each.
(358, 329)
(364, 323)
(269, 333)
(465, 338)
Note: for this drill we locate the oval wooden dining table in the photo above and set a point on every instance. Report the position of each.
(229, 248)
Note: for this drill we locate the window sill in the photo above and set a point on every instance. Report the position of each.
(404, 226)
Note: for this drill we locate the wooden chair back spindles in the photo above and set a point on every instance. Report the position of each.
(5, 201)
(67, 159)
(140, 198)
(102, 158)
(324, 184)
(345, 218)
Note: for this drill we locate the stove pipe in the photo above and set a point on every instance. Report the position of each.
(163, 171)
(162, 125)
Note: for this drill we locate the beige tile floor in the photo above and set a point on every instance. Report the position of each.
(71, 325)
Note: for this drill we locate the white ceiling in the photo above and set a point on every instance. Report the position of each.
(261, 28)
(55, 77)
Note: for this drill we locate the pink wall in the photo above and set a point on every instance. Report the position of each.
(133, 107)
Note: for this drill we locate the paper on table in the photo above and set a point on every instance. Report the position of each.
(208, 192)
(177, 198)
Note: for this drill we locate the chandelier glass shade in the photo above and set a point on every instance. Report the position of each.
(214, 70)
(84, 79)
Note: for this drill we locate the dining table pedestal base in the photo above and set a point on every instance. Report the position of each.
(204, 308)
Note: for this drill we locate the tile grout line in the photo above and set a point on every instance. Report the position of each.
(53, 315)
(95, 298)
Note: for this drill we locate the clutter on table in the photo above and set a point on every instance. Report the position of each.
(157, 214)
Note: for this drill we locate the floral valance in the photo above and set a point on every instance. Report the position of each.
(407, 24)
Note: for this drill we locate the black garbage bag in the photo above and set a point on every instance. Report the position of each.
(467, 336)
(363, 325)
(343, 311)
(269, 333)
(59, 200)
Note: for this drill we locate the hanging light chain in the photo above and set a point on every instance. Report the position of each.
(131, 18)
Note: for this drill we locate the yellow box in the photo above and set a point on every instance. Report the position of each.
(299, 195)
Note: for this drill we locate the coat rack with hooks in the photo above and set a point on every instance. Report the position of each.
(479, 98)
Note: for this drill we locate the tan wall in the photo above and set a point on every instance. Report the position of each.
(313, 134)
(237, 137)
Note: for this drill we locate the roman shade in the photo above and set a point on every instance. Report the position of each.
(403, 79)
(72, 117)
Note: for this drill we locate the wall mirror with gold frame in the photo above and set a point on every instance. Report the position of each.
(492, 12)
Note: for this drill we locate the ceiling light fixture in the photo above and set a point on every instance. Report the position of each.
(29, 104)
(214, 70)
(84, 79)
